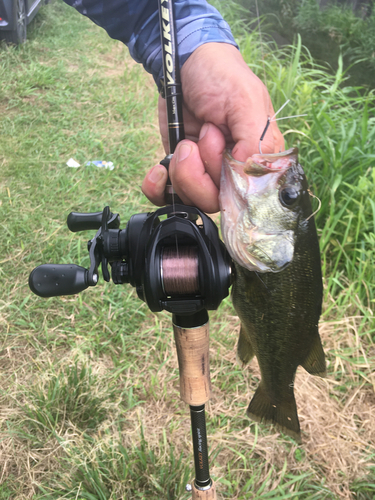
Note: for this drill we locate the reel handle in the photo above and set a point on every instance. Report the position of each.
(53, 280)
(80, 221)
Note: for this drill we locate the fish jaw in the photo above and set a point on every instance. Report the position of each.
(242, 184)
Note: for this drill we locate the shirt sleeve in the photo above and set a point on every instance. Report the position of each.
(136, 24)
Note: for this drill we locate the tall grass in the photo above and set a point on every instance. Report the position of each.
(353, 32)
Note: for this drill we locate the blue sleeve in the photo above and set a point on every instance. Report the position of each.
(136, 24)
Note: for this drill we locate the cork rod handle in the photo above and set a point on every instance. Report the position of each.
(209, 494)
(192, 346)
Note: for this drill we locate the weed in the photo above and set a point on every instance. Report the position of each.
(68, 396)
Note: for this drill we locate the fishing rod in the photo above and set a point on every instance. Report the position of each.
(191, 332)
(171, 89)
(175, 264)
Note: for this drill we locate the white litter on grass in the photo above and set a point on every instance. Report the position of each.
(73, 163)
(101, 164)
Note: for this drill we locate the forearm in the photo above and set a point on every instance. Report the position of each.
(136, 24)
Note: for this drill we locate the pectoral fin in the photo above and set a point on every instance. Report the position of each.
(315, 362)
(245, 351)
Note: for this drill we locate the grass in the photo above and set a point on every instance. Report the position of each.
(89, 404)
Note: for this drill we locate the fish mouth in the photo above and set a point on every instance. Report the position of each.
(262, 164)
(290, 156)
(242, 183)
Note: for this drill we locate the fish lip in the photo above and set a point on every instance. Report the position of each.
(261, 164)
(272, 157)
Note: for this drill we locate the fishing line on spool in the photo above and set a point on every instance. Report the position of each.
(179, 270)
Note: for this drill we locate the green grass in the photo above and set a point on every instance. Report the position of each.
(89, 403)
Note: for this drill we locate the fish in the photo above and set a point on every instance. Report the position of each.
(268, 227)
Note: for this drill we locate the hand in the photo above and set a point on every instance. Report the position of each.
(225, 105)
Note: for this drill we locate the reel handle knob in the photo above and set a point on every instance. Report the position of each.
(53, 280)
(78, 221)
(84, 221)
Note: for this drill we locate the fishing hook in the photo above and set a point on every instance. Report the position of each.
(263, 134)
(274, 119)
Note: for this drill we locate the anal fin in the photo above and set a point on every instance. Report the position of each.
(315, 363)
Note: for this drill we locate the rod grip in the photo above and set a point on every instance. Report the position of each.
(192, 346)
(209, 494)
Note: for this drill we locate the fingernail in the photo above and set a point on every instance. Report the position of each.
(203, 131)
(183, 152)
(156, 174)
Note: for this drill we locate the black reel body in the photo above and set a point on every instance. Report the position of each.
(173, 257)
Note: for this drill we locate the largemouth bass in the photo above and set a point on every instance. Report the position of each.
(269, 230)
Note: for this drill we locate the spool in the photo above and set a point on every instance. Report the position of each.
(179, 271)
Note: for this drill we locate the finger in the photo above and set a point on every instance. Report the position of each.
(153, 185)
(190, 180)
(248, 143)
(249, 123)
(273, 134)
(211, 145)
(272, 142)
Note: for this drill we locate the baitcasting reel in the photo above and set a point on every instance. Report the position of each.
(176, 263)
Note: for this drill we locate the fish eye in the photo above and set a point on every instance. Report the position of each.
(289, 196)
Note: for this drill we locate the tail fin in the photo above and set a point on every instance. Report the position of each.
(281, 414)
